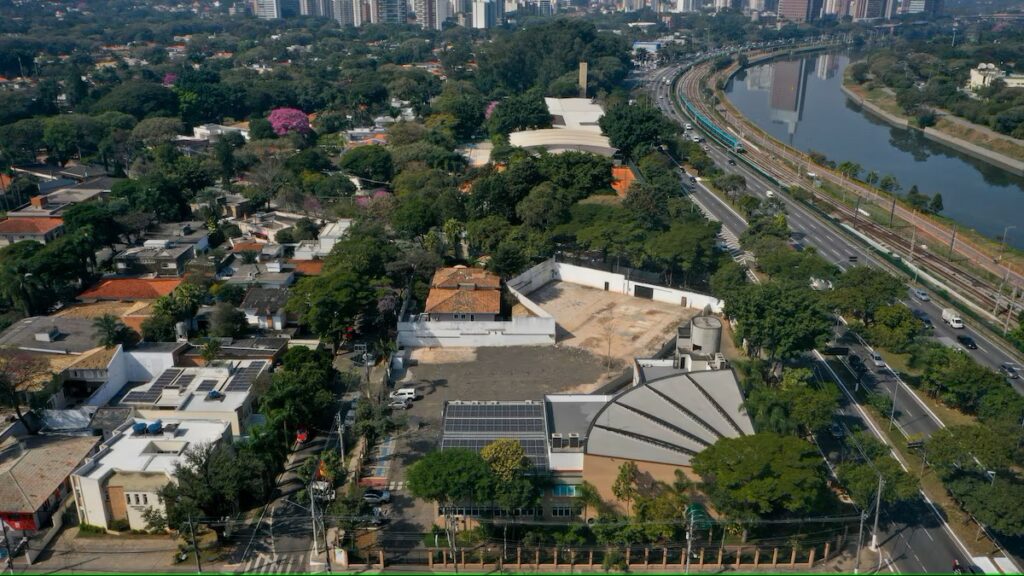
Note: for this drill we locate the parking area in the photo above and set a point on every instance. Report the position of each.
(599, 321)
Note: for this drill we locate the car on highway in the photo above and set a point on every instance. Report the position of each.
(1009, 370)
(731, 162)
(856, 364)
(877, 360)
(925, 319)
(693, 178)
(920, 294)
(967, 342)
(375, 496)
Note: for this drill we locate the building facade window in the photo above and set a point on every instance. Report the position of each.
(565, 511)
(564, 490)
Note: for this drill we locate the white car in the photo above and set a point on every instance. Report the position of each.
(920, 294)
(877, 360)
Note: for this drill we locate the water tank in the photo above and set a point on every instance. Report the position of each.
(155, 427)
(706, 335)
(139, 428)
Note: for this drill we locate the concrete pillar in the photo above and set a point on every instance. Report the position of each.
(757, 556)
(430, 559)
(828, 547)
(739, 555)
(701, 558)
(590, 559)
(647, 557)
(629, 550)
(775, 556)
(519, 557)
(380, 558)
(792, 558)
(664, 557)
(721, 551)
(555, 555)
(810, 558)
(536, 557)
(462, 555)
(481, 557)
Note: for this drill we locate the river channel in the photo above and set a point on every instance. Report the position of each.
(799, 102)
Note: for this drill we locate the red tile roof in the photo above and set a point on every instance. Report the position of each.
(29, 225)
(243, 246)
(308, 267)
(449, 301)
(468, 277)
(130, 289)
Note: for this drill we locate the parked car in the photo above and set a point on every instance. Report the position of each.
(406, 393)
(836, 429)
(400, 404)
(877, 360)
(920, 294)
(967, 342)
(1009, 370)
(375, 496)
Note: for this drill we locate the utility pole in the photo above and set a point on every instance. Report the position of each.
(952, 243)
(7, 546)
(860, 541)
(878, 509)
(689, 538)
(195, 545)
(892, 211)
(892, 413)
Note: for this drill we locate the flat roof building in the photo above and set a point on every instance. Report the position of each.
(222, 391)
(125, 477)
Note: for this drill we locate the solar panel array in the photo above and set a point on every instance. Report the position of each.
(151, 395)
(245, 377)
(206, 385)
(166, 378)
(183, 382)
(473, 426)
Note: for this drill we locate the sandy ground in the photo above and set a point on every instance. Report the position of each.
(607, 323)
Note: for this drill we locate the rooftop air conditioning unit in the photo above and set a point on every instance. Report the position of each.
(556, 441)
(574, 440)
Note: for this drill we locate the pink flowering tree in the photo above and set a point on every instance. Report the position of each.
(285, 120)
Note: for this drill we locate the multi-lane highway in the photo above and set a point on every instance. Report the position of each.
(917, 539)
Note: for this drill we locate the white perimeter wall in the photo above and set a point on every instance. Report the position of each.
(540, 328)
(520, 331)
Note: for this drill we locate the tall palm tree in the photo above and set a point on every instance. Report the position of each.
(110, 330)
(210, 350)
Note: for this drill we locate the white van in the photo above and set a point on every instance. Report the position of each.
(769, 193)
(405, 394)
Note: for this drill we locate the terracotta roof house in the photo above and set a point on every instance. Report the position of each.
(462, 293)
(34, 476)
(41, 230)
(130, 289)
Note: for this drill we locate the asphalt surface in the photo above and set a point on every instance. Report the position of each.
(915, 539)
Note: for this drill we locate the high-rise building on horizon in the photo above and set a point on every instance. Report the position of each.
(431, 14)
(488, 13)
(267, 9)
(392, 11)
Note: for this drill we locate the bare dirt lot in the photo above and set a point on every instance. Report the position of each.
(597, 321)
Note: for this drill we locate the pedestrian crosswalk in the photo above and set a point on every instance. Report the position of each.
(279, 564)
(396, 486)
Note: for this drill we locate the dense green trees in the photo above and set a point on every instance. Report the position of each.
(778, 321)
(636, 129)
(762, 476)
(862, 291)
(520, 112)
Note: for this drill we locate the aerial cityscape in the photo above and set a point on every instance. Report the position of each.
(512, 286)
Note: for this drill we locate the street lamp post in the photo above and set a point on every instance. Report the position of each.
(1006, 234)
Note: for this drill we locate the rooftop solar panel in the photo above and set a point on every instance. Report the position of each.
(206, 385)
(184, 381)
(166, 378)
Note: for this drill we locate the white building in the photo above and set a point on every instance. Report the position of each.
(984, 74)
(488, 13)
(125, 477)
(324, 243)
(222, 391)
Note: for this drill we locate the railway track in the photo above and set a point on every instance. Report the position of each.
(979, 291)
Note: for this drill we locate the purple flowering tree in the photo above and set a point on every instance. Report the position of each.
(285, 120)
